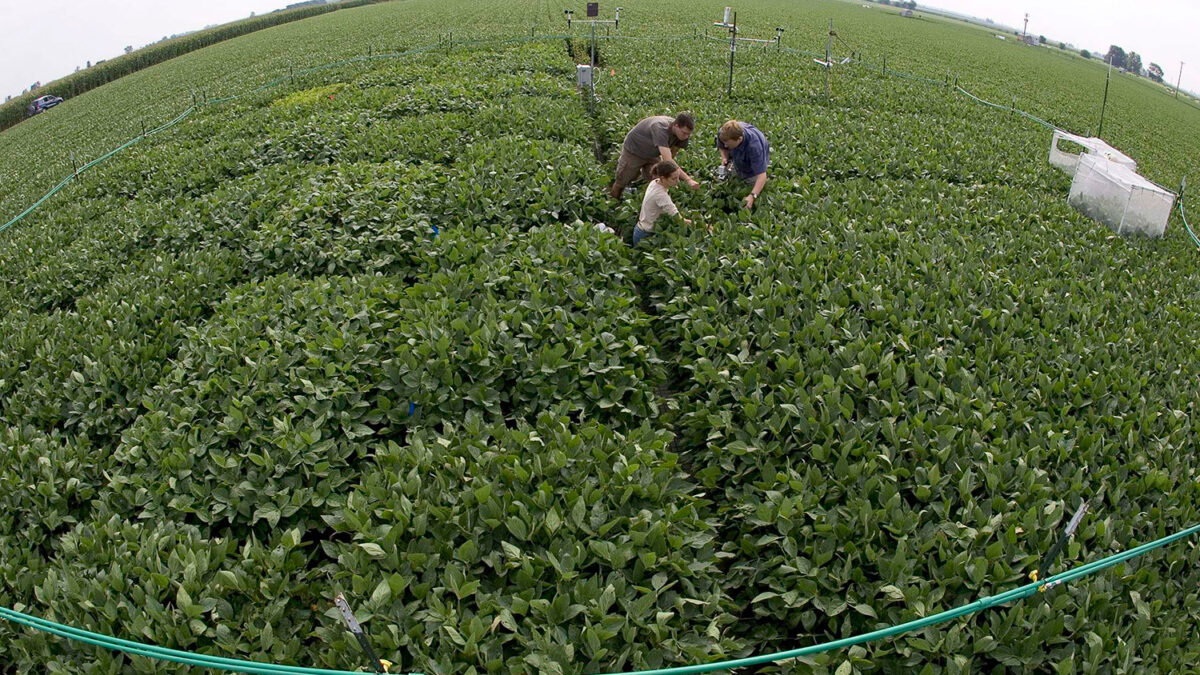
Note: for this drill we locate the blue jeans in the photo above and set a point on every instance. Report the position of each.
(639, 234)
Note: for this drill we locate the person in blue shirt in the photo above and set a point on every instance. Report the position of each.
(747, 148)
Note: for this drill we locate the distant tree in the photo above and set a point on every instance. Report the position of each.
(1085, 53)
(128, 48)
(89, 64)
(1133, 63)
(1115, 57)
(1062, 45)
(78, 68)
(1042, 39)
(912, 4)
(8, 98)
(1156, 72)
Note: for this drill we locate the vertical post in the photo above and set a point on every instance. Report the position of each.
(74, 167)
(593, 50)
(369, 51)
(1105, 103)
(732, 50)
(449, 41)
(143, 128)
(828, 57)
(1012, 109)
(292, 72)
(955, 83)
(1179, 81)
(885, 65)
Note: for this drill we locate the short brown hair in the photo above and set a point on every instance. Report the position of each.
(686, 121)
(731, 131)
(664, 169)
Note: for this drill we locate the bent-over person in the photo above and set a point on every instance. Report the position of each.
(649, 142)
(747, 149)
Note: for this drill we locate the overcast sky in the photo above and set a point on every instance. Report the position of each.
(1161, 31)
(41, 40)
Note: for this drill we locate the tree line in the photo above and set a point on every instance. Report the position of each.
(103, 72)
(1130, 61)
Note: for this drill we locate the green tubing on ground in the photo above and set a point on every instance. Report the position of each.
(161, 653)
(997, 106)
(1182, 215)
(94, 162)
(987, 602)
(917, 624)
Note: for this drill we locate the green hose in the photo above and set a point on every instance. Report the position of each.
(234, 665)
(162, 653)
(1185, 223)
(977, 606)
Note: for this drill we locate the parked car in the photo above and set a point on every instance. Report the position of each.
(43, 102)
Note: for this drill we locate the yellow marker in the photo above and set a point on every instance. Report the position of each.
(387, 665)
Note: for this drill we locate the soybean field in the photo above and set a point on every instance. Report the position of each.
(346, 326)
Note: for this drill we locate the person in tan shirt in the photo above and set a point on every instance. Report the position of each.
(650, 141)
(657, 201)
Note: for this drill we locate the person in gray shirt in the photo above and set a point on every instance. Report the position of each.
(649, 142)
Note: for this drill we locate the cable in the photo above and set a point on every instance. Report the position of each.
(987, 602)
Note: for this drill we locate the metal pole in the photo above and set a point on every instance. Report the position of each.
(1179, 81)
(593, 50)
(885, 65)
(828, 57)
(732, 49)
(143, 128)
(74, 167)
(1105, 103)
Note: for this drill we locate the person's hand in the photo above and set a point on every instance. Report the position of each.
(693, 184)
(748, 202)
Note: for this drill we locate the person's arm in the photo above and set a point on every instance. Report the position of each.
(759, 182)
(665, 154)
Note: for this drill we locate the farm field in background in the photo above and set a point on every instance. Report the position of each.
(357, 333)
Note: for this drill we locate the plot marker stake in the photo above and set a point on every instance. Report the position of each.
(352, 624)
